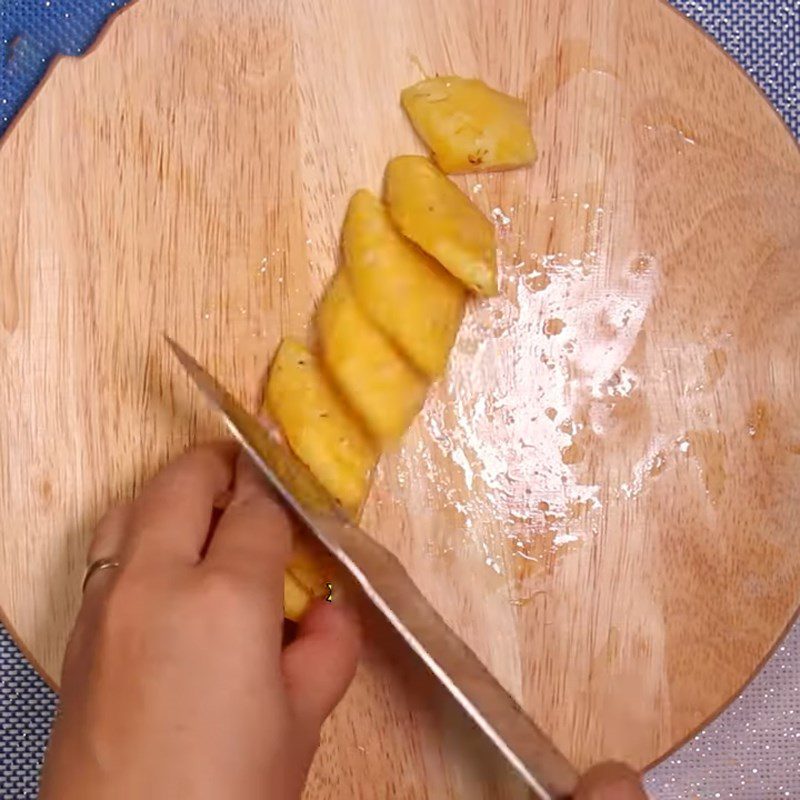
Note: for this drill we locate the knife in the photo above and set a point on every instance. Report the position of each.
(387, 584)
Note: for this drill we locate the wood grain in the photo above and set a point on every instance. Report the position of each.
(601, 497)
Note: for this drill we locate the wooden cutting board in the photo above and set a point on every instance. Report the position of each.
(601, 496)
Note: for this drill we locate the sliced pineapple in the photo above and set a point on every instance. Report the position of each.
(318, 426)
(389, 319)
(382, 387)
(311, 565)
(308, 576)
(434, 213)
(296, 598)
(468, 126)
(406, 293)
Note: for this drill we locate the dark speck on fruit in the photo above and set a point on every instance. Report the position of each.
(477, 157)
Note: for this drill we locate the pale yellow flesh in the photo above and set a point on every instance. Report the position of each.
(308, 576)
(433, 212)
(311, 566)
(296, 598)
(468, 126)
(380, 385)
(318, 426)
(392, 294)
(406, 293)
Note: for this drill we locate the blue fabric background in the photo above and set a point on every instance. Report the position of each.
(762, 35)
(32, 32)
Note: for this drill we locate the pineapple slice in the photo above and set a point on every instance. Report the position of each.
(434, 213)
(309, 575)
(318, 425)
(468, 126)
(311, 565)
(407, 294)
(382, 387)
(296, 598)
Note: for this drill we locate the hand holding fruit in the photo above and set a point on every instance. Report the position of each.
(175, 682)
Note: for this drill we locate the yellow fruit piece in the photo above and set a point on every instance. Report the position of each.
(296, 598)
(405, 292)
(308, 575)
(318, 425)
(382, 387)
(311, 566)
(468, 126)
(434, 213)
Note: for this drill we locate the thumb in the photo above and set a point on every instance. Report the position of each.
(320, 663)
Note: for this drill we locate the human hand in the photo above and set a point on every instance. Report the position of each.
(610, 781)
(175, 683)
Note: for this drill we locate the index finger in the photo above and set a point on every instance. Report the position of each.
(253, 537)
(171, 517)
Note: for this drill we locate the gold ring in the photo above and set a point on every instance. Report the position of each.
(97, 566)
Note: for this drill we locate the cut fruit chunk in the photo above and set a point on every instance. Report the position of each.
(311, 565)
(382, 387)
(296, 598)
(308, 576)
(434, 213)
(405, 292)
(468, 126)
(318, 425)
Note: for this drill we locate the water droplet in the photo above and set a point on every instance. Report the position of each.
(573, 454)
(500, 217)
(538, 281)
(757, 419)
(553, 326)
(642, 264)
(658, 464)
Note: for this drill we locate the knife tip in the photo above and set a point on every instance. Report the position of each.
(188, 363)
(175, 347)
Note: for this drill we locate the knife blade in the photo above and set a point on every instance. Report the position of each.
(386, 583)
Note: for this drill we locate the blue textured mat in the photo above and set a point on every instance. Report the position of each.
(763, 35)
(33, 32)
(26, 710)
